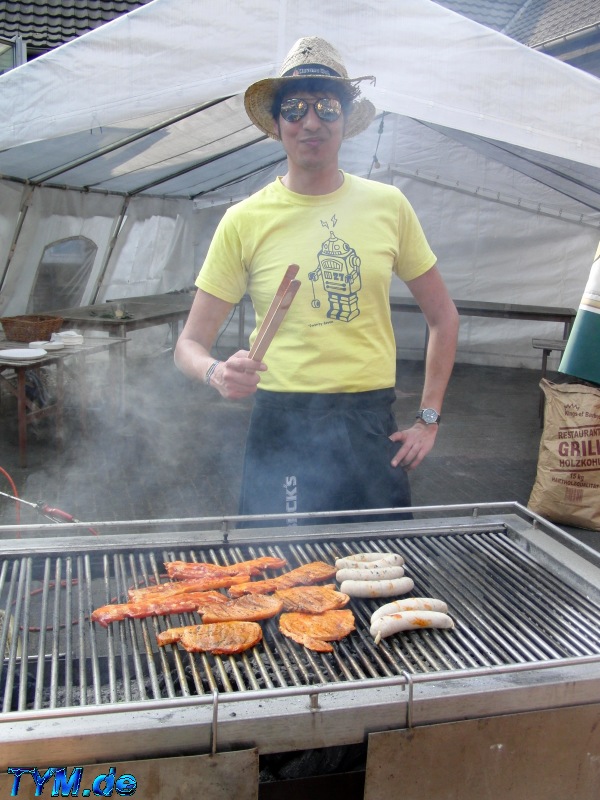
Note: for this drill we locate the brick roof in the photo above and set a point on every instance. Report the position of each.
(544, 20)
(45, 24)
(494, 14)
(530, 22)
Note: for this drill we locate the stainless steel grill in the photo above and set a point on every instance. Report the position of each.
(518, 596)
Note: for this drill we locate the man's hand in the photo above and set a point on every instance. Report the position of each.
(416, 441)
(238, 377)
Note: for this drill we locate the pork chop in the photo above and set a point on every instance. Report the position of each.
(158, 606)
(315, 631)
(312, 599)
(202, 584)
(307, 574)
(220, 638)
(182, 570)
(248, 608)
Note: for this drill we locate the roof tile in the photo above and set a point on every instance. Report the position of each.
(543, 20)
(530, 22)
(45, 24)
(494, 14)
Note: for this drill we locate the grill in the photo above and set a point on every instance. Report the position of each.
(526, 607)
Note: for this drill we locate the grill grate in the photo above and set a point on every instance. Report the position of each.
(508, 607)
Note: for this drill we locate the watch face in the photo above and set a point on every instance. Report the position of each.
(429, 415)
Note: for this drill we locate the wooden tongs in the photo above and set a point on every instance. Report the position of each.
(277, 311)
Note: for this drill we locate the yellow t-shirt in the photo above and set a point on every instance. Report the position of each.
(337, 335)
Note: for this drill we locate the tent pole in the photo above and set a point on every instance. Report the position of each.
(25, 203)
(496, 197)
(111, 148)
(197, 165)
(240, 177)
(113, 241)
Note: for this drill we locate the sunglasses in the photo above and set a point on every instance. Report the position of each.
(327, 108)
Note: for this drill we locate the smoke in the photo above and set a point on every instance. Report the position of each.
(173, 450)
(177, 448)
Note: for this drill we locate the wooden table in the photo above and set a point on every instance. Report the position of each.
(482, 308)
(171, 308)
(27, 412)
(470, 308)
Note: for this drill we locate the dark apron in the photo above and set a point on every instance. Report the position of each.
(322, 452)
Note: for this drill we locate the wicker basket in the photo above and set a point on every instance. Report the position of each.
(30, 328)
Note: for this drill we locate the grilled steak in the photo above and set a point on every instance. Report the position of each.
(194, 569)
(316, 630)
(171, 635)
(180, 587)
(307, 574)
(248, 608)
(174, 604)
(312, 599)
(220, 638)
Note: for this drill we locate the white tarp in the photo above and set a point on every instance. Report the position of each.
(430, 63)
(495, 145)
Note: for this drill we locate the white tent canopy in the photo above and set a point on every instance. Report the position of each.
(135, 137)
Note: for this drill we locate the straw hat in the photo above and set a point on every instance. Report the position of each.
(310, 57)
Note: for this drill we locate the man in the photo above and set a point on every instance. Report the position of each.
(322, 435)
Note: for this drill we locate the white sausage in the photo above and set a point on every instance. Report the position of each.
(351, 563)
(410, 604)
(366, 556)
(409, 621)
(378, 574)
(370, 560)
(377, 588)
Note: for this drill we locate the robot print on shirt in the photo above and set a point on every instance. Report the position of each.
(339, 273)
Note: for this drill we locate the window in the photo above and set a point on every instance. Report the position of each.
(13, 52)
(62, 275)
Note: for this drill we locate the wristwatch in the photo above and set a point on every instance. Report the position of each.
(429, 416)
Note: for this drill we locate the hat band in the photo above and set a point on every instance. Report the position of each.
(311, 69)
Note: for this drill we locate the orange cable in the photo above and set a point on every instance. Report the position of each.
(16, 494)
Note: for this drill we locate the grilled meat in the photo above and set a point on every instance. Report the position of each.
(314, 631)
(307, 574)
(182, 570)
(172, 635)
(248, 608)
(220, 638)
(155, 606)
(183, 587)
(199, 577)
(312, 599)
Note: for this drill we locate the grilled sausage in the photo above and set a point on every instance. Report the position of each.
(372, 589)
(368, 560)
(410, 604)
(377, 574)
(409, 621)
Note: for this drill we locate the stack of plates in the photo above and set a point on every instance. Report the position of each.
(68, 338)
(47, 345)
(20, 356)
